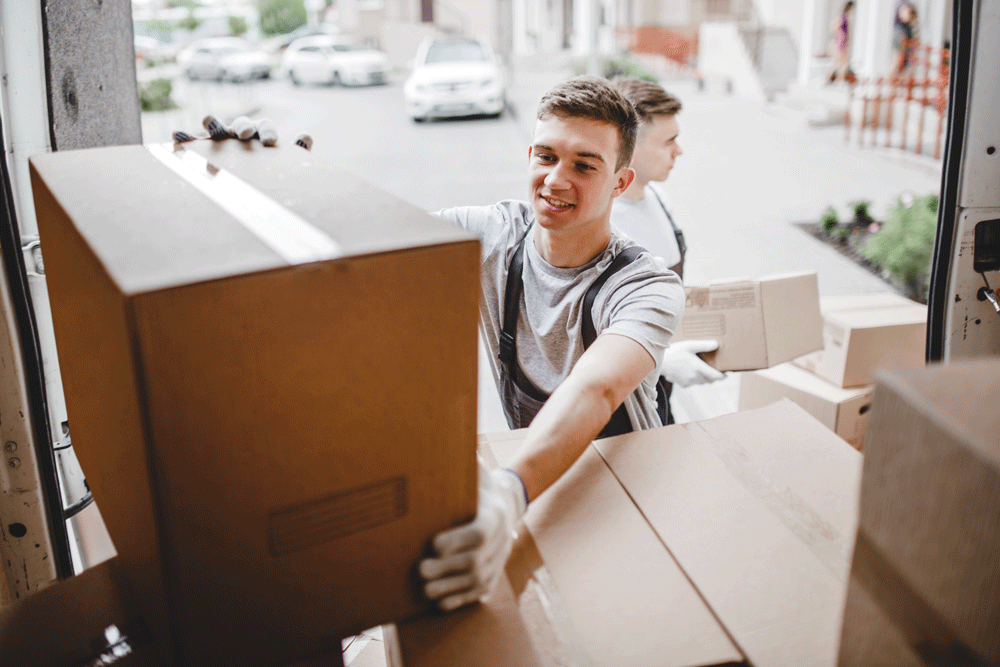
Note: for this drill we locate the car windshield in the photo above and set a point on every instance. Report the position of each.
(450, 52)
(346, 47)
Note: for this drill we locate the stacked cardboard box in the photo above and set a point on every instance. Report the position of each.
(925, 579)
(860, 333)
(720, 542)
(270, 417)
(759, 323)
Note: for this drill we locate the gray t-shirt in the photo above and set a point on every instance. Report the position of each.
(644, 302)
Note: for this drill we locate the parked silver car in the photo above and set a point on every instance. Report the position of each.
(454, 76)
(333, 60)
(224, 58)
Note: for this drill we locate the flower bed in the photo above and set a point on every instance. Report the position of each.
(898, 250)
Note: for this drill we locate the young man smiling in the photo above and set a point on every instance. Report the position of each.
(575, 316)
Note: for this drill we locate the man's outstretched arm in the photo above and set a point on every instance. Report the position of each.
(579, 408)
(469, 560)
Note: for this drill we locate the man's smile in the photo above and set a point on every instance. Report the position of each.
(555, 202)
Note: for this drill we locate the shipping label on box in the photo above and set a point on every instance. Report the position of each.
(843, 411)
(759, 323)
(271, 418)
(861, 333)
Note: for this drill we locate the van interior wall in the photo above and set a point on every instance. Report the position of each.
(90, 61)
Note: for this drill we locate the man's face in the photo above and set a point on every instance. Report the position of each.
(656, 148)
(572, 172)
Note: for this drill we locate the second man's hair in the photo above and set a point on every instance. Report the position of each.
(596, 99)
(649, 99)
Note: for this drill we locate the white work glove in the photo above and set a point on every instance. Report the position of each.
(682, 366)
(469, 560)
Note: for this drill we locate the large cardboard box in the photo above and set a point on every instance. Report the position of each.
(925, 579)
(270, 412)
(759, 323)
(843, 411)
(861, 333)
(755, 511)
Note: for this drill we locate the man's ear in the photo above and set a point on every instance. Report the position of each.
(529, 153)
(625, 178)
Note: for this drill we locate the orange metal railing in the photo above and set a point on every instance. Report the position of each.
(920, 90)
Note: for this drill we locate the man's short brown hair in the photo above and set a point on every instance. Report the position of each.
(596, 99)
(649, 99)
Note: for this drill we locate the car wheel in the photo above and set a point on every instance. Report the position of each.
(335, 80)
(419, 119)
(295, 79)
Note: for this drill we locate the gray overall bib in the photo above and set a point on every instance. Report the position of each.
(521, 399)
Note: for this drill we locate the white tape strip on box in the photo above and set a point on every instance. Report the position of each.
(292, 237)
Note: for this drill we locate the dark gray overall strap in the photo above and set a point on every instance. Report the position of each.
(624, 258)
(619, 422)
(677, 268)
(512, 304)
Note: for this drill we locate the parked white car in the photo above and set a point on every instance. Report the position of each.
(333, 60)
(224, 58)
(455, 76)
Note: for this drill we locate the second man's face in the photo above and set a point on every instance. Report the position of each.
(656, 149)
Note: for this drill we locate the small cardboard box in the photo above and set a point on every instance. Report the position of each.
(843, 411)
(759, 323)
(861, 333)
(925, 579)
(753, 514)
(269, 412)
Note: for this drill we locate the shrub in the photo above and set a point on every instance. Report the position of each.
(154, 95)
(829, 220)
(621, 66)
(904, 245)
(189, 22)
(278, 17)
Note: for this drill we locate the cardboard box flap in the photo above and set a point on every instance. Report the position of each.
(886, 316)
(759, 510)
(196, 226)
(799, 378)
(792, 323)
(67, 624)
(611, 593)
(878, 300)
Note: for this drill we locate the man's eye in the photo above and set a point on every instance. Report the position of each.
(545, 158)
(583, 166)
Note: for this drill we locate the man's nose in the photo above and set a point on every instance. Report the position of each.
(556, 178)
(678, 150)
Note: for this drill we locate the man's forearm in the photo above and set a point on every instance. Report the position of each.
(572, 417)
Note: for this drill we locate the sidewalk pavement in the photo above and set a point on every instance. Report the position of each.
(748, 172)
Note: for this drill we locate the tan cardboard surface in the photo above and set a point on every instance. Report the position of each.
(64, 624)
(862, 333)
(273, 447)
(792, 325)
(759, 510)
(843, 411)
(759, 323)
(930, 511)
(614, 594)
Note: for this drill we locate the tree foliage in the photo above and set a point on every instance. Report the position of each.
(237, 25)
(278, 17)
